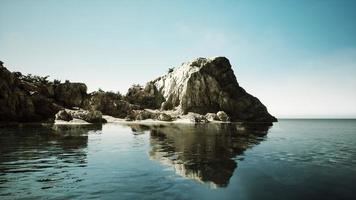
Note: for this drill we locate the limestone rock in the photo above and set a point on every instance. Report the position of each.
(86, 115)
(211, 116)
(223, 116)
(164, 117)
(147, 97)
(143, 114)
(71, 94)
(148, 114)
(22, 101)
(110, 103)
(196, 118)
(63, 115)
(209, 85)
(202, 86)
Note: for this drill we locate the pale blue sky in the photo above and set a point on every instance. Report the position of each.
(297, 57)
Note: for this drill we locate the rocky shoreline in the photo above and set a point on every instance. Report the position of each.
(201, 91)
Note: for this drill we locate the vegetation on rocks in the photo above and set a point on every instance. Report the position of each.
(110, 103)
(202, 90)
(146, 97)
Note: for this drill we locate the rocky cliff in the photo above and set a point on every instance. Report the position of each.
(34, 98)
(24, 101)
(202, 90)
(208, 86)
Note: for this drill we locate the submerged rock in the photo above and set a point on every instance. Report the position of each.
(208, 86)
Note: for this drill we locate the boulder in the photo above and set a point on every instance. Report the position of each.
(196, 118)
(110, 103)
(164, 117)
(87, 115)
(148, 114)
(63, 115)
(143, 114)
(208, 86)
(223, 116)
(70, 94)
(211, 116)
(146, 97)
(44, 106)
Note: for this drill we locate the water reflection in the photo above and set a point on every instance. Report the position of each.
(204, 152)
(43, 153)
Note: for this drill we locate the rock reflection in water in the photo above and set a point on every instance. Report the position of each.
(43, 151)
(203, 152)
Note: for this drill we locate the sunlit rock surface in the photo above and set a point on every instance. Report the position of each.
(199, 91)
(208, 86)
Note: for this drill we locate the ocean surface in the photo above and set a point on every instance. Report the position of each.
(293, 159)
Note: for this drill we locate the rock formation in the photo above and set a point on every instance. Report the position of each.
(91, 116)
(35, 99)
(110, 103)
(24, 101)
(147, 97)
(71, 94)
(209, 85)
(199, 91)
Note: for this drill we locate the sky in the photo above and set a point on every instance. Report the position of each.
(297, 57)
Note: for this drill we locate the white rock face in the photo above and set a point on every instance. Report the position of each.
(223, 116)
(211, 116)
(208, 86)
(174, 85)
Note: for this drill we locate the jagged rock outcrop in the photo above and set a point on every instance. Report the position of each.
(196, 118)
(23, 101)
(222, 116)
(35, 99)
(149, 114)
(146, 97)
(71, 94)
(199, 91)
(211, 116)
(63, 115)
(110, 103)
(91, 116)
(207, 86)
(164, 117)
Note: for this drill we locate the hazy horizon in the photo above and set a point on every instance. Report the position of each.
(298, 58)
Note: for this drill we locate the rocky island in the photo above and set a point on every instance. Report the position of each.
(199, 91)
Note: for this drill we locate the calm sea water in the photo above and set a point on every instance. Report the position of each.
(294, 159)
